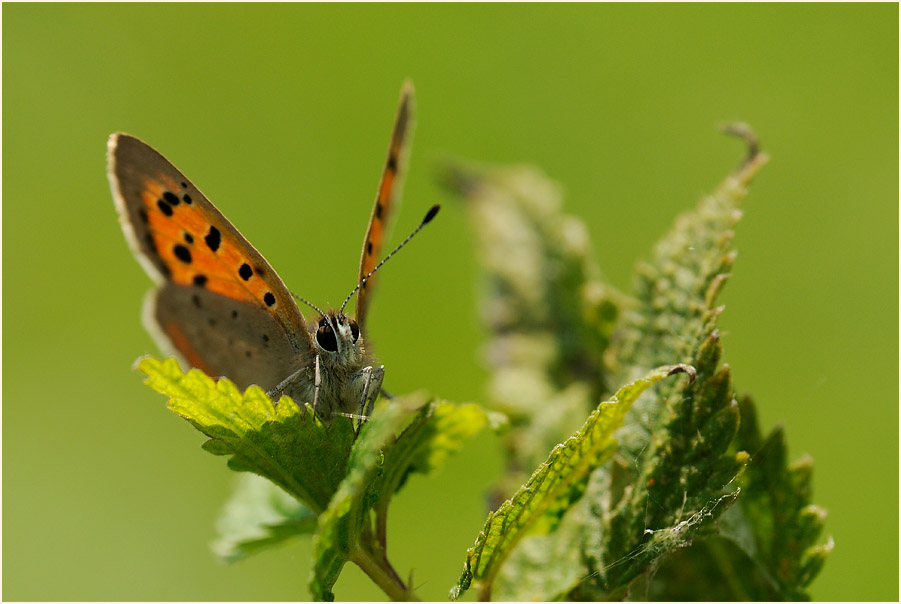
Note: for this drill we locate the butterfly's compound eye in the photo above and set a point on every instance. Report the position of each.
(354, 330)
(325, 337)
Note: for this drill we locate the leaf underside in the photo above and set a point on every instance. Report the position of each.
(259, 515)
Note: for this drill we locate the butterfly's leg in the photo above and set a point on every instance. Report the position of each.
(279, 390)
(317, 384)
(374, 377)
(364, 374)
(372, 383)
(298, 386)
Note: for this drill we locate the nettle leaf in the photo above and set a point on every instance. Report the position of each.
(259, 515)
(540, 504)
(544, 565)
(673, 477)
(548, 314)
(775, 524)
(765, 548)
(436, 432)
(380, 464)
(289, 446)
(323, 478)
(346, 523)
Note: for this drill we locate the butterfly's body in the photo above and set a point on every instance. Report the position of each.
(340, 374)
(222, 307)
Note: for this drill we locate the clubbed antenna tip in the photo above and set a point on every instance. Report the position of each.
(431, 214)
(433, 211)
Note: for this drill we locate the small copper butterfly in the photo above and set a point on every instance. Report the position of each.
(222, 307)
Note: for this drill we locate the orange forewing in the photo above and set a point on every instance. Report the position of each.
(387, 198)
(187, 227)
(187, 240)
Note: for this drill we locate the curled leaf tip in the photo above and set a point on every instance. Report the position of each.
(746, 133)
(683, 368)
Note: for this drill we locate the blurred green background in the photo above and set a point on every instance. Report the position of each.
(281, 115)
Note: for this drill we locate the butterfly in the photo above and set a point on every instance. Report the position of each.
(221, 306)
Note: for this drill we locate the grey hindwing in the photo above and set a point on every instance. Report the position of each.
(238, 339)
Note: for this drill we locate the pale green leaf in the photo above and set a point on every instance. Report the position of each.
(289, 446)
(438, 431)
(259, 515)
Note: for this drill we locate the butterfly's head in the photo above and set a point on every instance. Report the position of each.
(338, 337)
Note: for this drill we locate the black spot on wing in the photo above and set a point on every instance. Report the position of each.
(182, 253)
(213, 239)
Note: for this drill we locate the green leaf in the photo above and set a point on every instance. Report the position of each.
(775, 524)
(438, 431)
(289, 446)
(553, 487)
(548, 314)
(379, 466)
(347, 518)
(675, 308)
(543, 566)
(675, 447)
(259, 515)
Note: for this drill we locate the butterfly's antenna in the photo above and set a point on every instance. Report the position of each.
(428, 218)
(310, 304)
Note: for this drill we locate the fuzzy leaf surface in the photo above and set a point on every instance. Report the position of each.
(775, 523)
(548, 315)
(539, 505)
(289, 446)
(673, 478)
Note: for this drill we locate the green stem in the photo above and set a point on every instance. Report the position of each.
(385, 578)
(381, 525)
